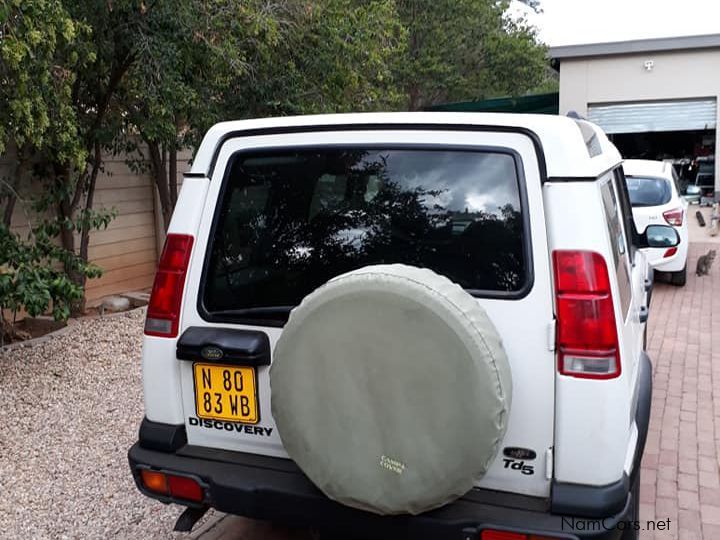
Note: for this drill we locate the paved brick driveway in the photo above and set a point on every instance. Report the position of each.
(680, 477)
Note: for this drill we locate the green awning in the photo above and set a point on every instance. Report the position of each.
(537, 104)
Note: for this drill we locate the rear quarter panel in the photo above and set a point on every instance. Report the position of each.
(592, 428)
(161, 370)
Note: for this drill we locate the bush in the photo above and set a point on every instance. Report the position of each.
(34, 276)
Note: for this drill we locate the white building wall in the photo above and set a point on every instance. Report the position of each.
(623, 78)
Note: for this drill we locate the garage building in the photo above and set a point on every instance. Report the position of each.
(656, 98)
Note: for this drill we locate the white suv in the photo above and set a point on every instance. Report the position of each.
(655, 198)
(411, 325)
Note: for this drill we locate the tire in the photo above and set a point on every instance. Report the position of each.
(630, 533)
(390, 389)
(679, 278)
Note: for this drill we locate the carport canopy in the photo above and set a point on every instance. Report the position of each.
(651, 116)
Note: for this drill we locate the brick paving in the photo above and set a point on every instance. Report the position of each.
(680, 478)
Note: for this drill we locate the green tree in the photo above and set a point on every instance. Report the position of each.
(254, 58)
(80, 78)
(41, 49)
(189, 55)
(333, 56)
(466, 49)
(35, 87)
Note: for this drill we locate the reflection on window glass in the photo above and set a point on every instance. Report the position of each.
(289, 221)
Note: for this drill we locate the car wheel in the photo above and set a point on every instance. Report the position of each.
(679, 278)
(630, 532)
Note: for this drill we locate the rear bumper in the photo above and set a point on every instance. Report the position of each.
(275, 489)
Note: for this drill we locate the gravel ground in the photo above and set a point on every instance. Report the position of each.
(70, 408)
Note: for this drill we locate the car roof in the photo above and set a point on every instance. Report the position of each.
(647, 167)
(573, 148)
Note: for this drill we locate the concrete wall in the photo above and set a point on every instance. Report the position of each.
(623, 78)
(129, 248)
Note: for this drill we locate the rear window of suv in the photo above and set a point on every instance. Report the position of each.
(290, 220)
(648, 191)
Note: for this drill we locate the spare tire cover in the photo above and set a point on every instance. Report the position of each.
(391, 389)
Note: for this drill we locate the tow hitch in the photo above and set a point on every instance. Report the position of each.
(189, 518)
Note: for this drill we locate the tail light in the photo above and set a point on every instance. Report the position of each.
(674, 216)
(163, 313)
(587, 340)
(182, 487)
(177, 487)
(669, 252)
(154, 481)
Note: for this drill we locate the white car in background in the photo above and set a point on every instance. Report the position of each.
(656, 200)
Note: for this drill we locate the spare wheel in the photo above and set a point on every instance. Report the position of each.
(391, 389)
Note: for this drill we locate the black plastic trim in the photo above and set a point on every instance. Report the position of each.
(542, 166)
(584, 178)
(589, 501)
(232, 346)
(510, 500)
(262, 487)
(162, 437)
(565, 179)
(651, 277)
(642, 412)
(521, 293)
(194, 175)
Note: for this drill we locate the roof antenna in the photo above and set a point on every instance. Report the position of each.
(574, 115)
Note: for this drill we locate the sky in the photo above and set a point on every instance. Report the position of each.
(571, 22)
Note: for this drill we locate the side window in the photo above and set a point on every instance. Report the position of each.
(618, 241)
(626, 215)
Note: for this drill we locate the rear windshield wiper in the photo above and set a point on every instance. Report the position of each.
(274, 313)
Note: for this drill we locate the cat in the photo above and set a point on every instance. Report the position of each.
(705, 262)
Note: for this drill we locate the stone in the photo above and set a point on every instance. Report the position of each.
(114, 304)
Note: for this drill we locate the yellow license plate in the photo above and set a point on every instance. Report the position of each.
(226, 393)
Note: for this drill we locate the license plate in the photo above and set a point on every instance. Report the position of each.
(226, 393)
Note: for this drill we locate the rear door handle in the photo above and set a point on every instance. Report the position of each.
(225, 346)
(644, 314)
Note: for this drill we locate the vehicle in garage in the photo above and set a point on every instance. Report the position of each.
(655, 198)
(704, 185)
(409, 325)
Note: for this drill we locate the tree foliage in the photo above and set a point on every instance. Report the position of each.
(254, 58)
(466, 50)
(83, 78)
(33, 276)
(42, 47)
(336, 56)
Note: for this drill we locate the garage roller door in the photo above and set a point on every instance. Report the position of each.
(649, 116)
